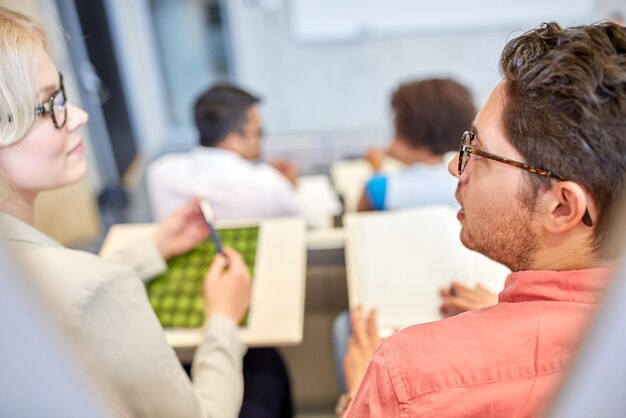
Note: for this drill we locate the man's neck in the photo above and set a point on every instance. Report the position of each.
(565, 253)
(555, 263)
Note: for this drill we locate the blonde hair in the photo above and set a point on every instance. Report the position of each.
(20, 40)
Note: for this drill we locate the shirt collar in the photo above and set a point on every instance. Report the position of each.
(582, 286)
(216, 158)
(214, 153)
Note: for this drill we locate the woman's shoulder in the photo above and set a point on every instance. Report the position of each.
(51, 258)
(70, 277)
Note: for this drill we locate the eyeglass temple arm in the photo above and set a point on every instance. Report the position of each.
(587, 218)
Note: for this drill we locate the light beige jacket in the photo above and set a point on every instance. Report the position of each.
(104, 309)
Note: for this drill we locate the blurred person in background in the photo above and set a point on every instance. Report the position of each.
(223, 168)
(427, 116)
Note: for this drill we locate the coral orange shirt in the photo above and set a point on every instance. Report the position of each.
(503, 361)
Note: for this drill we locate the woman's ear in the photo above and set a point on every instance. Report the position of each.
(567, 205)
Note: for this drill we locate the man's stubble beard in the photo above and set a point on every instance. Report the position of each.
(507, 239)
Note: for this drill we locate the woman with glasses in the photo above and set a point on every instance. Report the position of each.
(103, 305)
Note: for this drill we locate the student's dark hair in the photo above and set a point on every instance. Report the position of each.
(432, 113)
(565, 108)
(221, 110)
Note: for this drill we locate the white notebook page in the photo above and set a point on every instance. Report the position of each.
(398, 261)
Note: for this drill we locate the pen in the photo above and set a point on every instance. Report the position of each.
(207, 214)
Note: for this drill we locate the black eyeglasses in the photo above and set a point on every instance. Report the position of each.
(467, 149)
(55, 106)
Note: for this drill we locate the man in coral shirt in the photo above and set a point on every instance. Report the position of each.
(538, 175)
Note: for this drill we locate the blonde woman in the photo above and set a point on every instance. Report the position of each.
(101, 304)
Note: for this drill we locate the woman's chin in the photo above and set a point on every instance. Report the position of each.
(76, 173)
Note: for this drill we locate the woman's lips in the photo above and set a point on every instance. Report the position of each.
(79, 148)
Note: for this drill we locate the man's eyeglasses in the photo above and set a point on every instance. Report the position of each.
(55, 106)
(467, 149)
(259, 132)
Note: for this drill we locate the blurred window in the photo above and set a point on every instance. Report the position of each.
(192, 47)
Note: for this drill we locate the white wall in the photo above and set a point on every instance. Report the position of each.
(322, 100)
(345, 86)
(312, 87)
(329, 100)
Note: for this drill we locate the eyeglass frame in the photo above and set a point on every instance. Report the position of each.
(260, 132)
(47, 107)
(467, 149)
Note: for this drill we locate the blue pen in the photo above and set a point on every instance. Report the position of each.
(207, 214)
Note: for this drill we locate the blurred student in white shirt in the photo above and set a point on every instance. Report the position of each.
(223, 168)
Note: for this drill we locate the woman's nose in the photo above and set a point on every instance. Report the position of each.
(76, 117)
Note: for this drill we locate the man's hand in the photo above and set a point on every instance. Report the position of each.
(288, 169)
(227, 290)
(375, 157)
(361, 346)
(459, 298)
(181, 231)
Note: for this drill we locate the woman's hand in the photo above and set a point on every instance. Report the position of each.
(227, 286)
(181, 231)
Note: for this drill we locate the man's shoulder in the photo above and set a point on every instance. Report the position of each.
(265, 174)
(170, 172)
(265, 167)
(169, 160)
(422, 342)
(439, 343)
(428, 357)
(502, 342)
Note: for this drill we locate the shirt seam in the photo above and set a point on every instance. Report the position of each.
(404, 409)
(544, 374)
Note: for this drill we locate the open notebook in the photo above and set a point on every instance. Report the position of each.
(398, 261)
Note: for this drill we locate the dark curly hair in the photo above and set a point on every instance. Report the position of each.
(432, 113)
(565, 108)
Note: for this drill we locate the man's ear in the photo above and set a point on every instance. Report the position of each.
(232, 142)
(566, 204)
